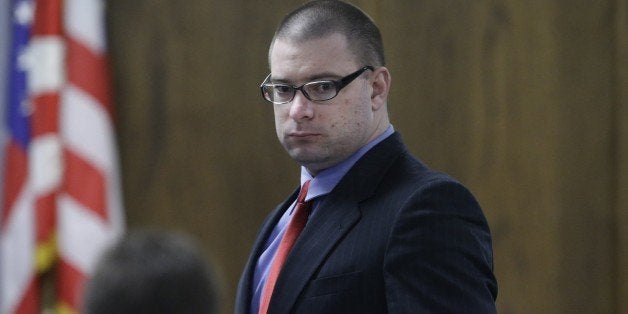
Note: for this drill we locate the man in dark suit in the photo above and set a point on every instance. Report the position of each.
(374, 230)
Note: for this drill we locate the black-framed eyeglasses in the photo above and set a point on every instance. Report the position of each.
(279, 93)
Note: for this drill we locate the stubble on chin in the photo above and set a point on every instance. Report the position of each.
(309, 157)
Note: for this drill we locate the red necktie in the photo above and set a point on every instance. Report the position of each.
(296, 225)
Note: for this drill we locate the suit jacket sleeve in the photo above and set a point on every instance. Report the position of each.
(439, 257)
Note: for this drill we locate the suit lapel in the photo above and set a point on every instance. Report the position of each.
(245, 288)
(318, 238)
(336, 216)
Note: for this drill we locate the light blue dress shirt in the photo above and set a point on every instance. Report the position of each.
(321, 184)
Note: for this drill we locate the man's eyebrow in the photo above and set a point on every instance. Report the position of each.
(311, 78)
(324, 76)
(278, 80)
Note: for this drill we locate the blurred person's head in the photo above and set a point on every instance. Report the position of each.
(152, 272)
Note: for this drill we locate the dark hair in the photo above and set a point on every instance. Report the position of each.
(151, 272)
(319, 18)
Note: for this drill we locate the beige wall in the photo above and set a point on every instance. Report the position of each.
(526, 102)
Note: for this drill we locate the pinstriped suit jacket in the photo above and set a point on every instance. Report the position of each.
(392, 237)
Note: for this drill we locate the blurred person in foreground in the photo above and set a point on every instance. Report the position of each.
(372, 230)
(155, 272)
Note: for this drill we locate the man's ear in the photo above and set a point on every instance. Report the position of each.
(380, 83)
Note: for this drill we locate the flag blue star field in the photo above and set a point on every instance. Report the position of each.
(17, 270)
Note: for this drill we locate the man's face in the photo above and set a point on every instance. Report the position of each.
(321, 134)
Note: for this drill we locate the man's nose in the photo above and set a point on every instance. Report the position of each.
(301, 107)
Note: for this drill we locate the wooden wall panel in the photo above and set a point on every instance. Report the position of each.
(621, 138)
(198, 146)
(523, 101)
(515, 99)
(585, 98)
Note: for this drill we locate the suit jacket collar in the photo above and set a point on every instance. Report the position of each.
(338, 213)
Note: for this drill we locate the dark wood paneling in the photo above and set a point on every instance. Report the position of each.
(523, 101)
(515, 99)
(198, 147)
(621, 153)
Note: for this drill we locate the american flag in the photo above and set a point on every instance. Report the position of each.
(61, 191)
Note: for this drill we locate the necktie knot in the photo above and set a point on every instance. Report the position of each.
(303, 192)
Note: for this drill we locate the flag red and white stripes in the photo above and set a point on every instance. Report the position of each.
(68, 206)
